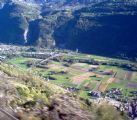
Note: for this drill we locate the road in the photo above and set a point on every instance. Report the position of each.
(4, 115)
(54, 55)
(51, 57)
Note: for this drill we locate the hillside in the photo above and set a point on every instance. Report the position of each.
(26, 96)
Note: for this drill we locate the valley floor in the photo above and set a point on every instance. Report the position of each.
(87, 76)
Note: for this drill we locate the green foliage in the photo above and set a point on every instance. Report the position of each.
(106, 112)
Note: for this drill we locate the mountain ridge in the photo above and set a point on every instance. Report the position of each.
(60, 24)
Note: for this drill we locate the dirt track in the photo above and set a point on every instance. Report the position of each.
(128, 75)
(103, 85)
(4, 115)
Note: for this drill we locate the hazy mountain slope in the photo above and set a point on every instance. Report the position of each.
(105, 27)
(101, 30)
(15, 18)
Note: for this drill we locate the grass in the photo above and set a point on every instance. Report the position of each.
(122, 85)
(60, 79)
(20, 62)
(94, 78)
(74, 72)
(83, 94)
(116, 85)
(134, 77)
(55, 62)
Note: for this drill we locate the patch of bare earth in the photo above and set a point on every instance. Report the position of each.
(83, 67)
(80, 78)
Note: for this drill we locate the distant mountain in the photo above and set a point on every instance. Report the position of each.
(104, 27)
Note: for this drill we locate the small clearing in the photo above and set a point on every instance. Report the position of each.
(80, 78)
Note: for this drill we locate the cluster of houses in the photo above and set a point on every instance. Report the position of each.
(114, 97)
(7, 51)
(95, 94)
(115, 93)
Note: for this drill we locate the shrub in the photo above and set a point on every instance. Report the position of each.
(107, 112)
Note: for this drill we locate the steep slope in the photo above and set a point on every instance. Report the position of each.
(104, 27)
(14, 21)
(25, 92)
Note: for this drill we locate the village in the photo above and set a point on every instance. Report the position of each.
(89, 76)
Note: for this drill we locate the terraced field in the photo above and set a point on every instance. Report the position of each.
(83, 76)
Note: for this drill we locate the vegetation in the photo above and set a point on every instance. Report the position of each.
(72, 25)
(57, 73)
(29, 86)
(106, 112)
(32, 88)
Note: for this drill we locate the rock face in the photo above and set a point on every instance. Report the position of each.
(100, 27)
(110, 32)
(15, 18)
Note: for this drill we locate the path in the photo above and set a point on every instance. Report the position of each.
(4, 115)
(97, 86)
(128, 76)
(102, 85)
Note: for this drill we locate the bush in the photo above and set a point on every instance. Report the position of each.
(107, 112)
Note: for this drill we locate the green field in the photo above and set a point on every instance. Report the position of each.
(20, 62)
(56, 73)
